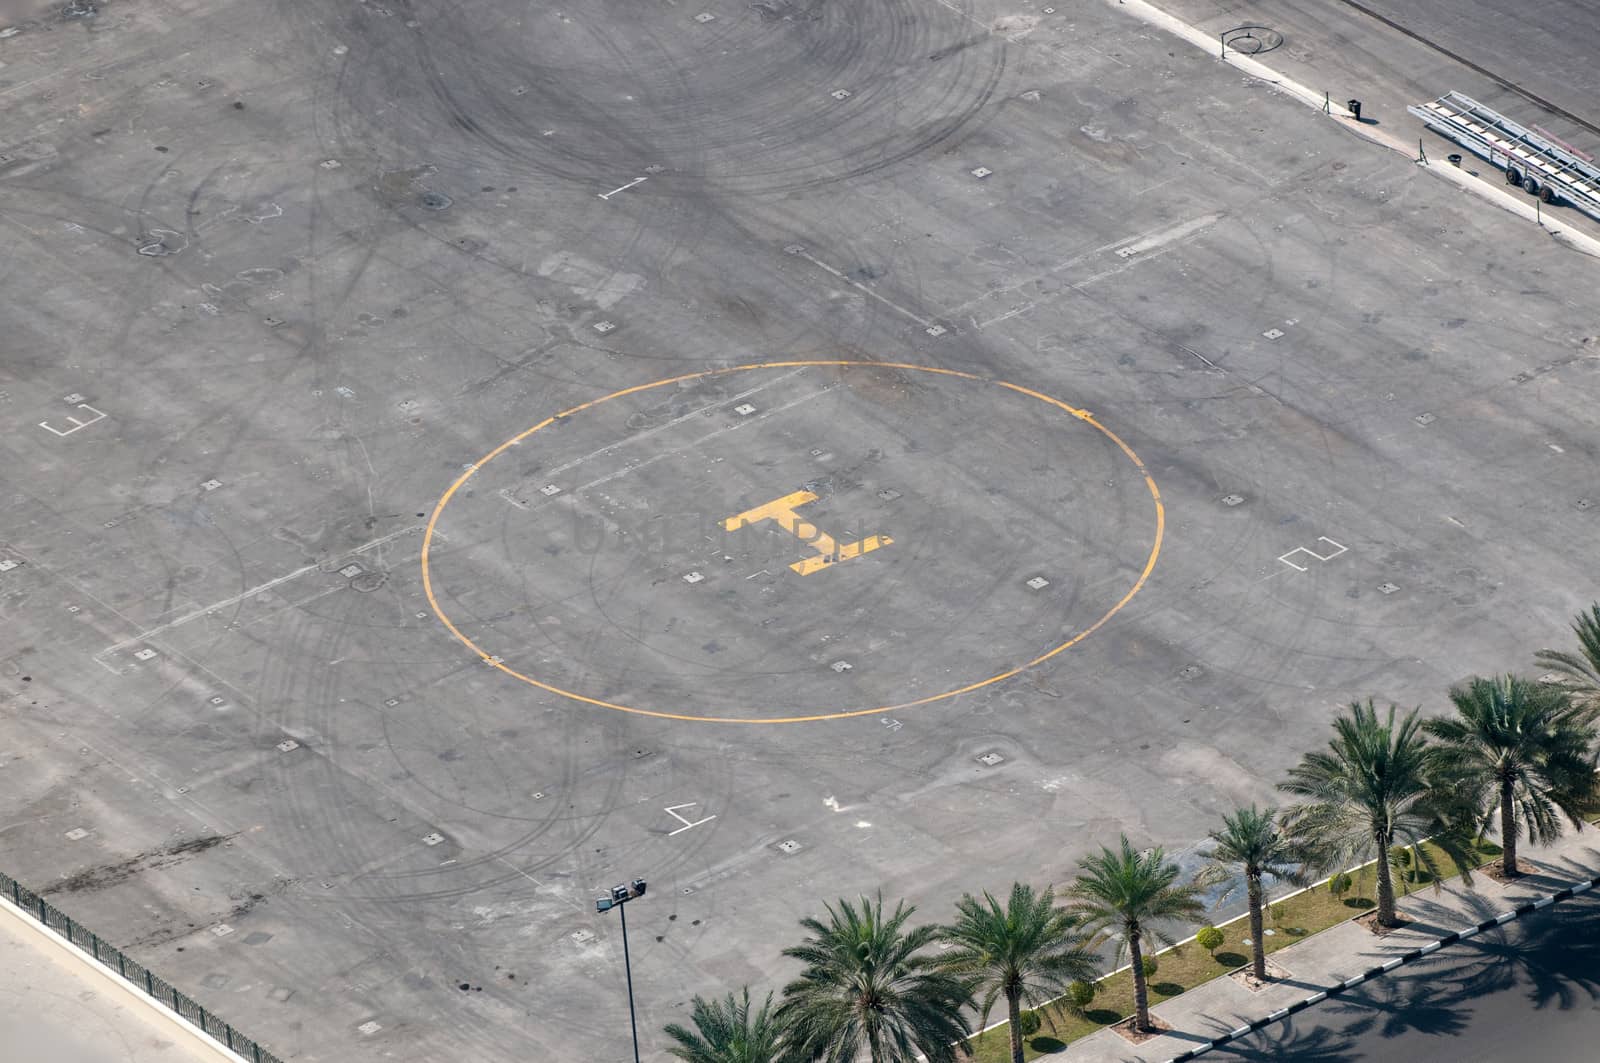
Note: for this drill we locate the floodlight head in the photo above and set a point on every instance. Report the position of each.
(603, 904)
(638, 887)
(619, 893)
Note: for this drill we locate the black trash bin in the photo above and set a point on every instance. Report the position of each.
(1355, 109)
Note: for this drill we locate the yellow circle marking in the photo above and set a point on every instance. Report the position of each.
(1083, 415)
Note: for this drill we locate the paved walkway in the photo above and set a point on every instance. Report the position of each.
(58, 1007)
(1343, 952)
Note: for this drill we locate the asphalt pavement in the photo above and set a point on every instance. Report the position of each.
(1530, 990)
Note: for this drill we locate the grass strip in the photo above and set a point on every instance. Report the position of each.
(1183, 967)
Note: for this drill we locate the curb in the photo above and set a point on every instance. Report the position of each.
(201, 1042)
(1399, 961)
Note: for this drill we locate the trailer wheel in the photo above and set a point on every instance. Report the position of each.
(1513, 177)
(1548, 194)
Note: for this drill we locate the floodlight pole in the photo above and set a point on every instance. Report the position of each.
(619, 898)
(627, 966)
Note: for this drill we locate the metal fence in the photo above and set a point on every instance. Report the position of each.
(134, 972)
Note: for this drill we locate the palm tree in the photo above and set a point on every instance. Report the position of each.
(864, 988)
(1581, 670)
(725, 1032)
(1132, 891)
(1523, 750)
(1250, 842)
(1372, 787)
(1027, 951)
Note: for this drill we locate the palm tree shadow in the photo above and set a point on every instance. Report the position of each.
(1316, 1044)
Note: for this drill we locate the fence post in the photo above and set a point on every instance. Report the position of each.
(149, 982)
(202, 1012)
(175, 1002)
(258, 1054)
(122, 964)
(228, 1030)
(42, 917)
(94, 943)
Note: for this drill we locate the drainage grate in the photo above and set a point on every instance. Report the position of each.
(77, 834)
(549, 490)
(981, 172)
(603, 327)
(1388, 588)
(693, 577)
(1038, 583)
(144, 655)
(840, 94)
(1424, 418)
(936, 330)
(288, 745)
(990, 759)
(432, 839)
(1273, 333)
(222, 930)
(789, 846)
(351, 571)
(211, 485)
(1233, 500)
(841, 666)
(744, 409)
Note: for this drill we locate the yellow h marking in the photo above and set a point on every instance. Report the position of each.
(781, 511)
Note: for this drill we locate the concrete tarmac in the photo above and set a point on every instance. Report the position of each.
(300, 287)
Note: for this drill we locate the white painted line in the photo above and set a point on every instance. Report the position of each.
(1435, 947)
(1240, 1032)
(1392, 964)
(1351, 983)
(251, 593)
(673, 812)
(863, 289)
(624, 188)
(1276, 1015)
(1167, 236)
(1469, 932)
(1506, 918)
(1317, 998)
(1585, 888)
(1545, 903)
(74, 422)
(1460, 176)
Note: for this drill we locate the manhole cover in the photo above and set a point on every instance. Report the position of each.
(1038, 583)
(1252, 40)
(789, 846)
(435, 200)
(991, 759)
(368, 582)
(1387, 588)
(1232, 500)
